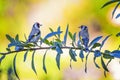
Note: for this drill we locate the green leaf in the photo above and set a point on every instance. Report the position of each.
(58, 60)
(3, 56)
(70, 35)
(103, 65)
(8, 49)
(44, 66)
(32, 63)
(51, 43)
(95, 40)
(52, 31)
(109, 2)
(74, 37)
(25, 37)
(97, 53)
(58, 29)
(65, 36)
(81, 55)
(72, 55)
(107, 56)
(14, 66)
(107, 65)
(58, 49)
(28, 45)
(103, 42)
(86, 62)
(10, 38)
(71, 63)
(58, 40)
(51, 34)
(95, 62)
(46, 42)
(12, 44)
(118, 34)
(115, 53)
(17, 37)
(115, 9)
(117, 16)
(96, 45)
(25, 55)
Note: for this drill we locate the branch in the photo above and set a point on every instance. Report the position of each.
(41, 48)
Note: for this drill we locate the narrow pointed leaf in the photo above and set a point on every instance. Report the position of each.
(53, 31)
(12, 44)
(86, 62)
(115, 9)
(17, 37)
(65, 36)
(25, 37)
(103, 65)
(58, 60)
(115, 53)
(118, 15)
(25, 55)
(96, 45)
(51, 34)
(107, 65)
(8, 49)
(14, 66)
(109, 2)
(9, 38)
(71, 63)
(118, 34)
(58, 30)
(74, 37)
(58, 49)
(70, 35)
(97, 53)
(103, 42)
(44, 66)
(96, 63)
(108, 56)
(72, 55)
(32, 63)
(3, 56)
(46, 42)
(81, 55)
(95, 40)
(58, 40)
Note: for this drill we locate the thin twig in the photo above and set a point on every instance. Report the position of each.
(40, 48)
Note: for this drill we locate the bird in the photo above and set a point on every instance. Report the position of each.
(84, 36)
(35, 33)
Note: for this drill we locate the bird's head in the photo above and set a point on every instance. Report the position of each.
(83, 27)
(37, 25)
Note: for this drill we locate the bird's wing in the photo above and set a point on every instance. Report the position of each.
(32, 36)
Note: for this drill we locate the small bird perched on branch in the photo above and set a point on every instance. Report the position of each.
(33, 37)
(34, 34)
(84, 36)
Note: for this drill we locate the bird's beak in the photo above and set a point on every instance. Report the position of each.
(40, 24)
(79, 27)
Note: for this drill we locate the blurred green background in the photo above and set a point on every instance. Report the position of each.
(18, 16)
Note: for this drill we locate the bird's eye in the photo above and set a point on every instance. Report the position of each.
(81, 26)
(38, 25)
(85, 27)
